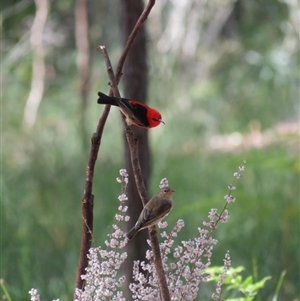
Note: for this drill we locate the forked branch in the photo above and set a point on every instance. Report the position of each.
(88, 198)
(134, 153)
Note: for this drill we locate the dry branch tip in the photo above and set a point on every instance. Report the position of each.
(100, 47)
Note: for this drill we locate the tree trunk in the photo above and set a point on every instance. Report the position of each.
(83, 63)
(135, 78)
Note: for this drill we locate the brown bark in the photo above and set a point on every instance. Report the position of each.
(88, 198)
(137, 151)
(135, 78)
(134, 154)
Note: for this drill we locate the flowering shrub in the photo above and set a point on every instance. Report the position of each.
(185, 265)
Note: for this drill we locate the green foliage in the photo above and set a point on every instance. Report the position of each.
(234, 283)
(279, 285)
(5, 291)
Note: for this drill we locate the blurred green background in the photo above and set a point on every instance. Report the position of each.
(224, 74)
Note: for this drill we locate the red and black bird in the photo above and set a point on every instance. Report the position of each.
(136, 112)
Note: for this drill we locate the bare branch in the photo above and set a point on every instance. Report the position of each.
(133, 146)
(88, 198)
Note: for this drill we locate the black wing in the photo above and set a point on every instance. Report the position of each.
(135, 111)
(131, 108)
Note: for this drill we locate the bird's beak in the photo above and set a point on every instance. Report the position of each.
(172, 190)
(161, 121)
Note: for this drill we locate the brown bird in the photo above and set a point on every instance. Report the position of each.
(154, 211)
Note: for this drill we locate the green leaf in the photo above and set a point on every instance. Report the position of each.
(278, 286)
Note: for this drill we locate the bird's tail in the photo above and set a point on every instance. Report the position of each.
(131, 233)
(106, 100)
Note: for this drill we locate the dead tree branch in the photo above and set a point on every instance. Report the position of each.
(133, 146)
(88, 198)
